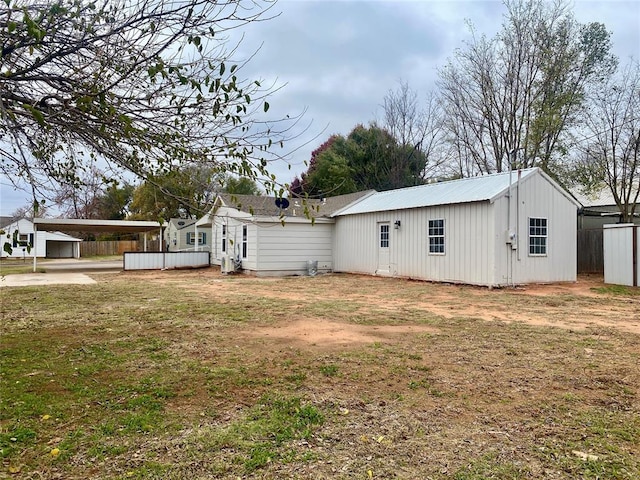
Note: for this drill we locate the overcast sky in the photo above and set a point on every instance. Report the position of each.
(338, 59)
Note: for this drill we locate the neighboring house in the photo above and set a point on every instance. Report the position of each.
(599, 209)
(180, 235)
(20, 234)
(267, 236)
(503, 229)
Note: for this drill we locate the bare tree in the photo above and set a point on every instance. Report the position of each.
(610, 154)
(80, 199)
(146, 85)
(520, 91)
(416, 126)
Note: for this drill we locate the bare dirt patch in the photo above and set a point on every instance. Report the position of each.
(574, 305)
(323, 334)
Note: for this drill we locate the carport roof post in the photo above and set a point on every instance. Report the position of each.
(94, 226)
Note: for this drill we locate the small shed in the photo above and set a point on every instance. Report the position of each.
(268, 236)
(180, 236)
(622, 254)
(503, 229)
(20, 234)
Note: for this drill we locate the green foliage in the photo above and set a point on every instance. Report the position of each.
(241, 186)
(368, 158)
(187, 192)
(145, 86)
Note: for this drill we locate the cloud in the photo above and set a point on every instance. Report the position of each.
(338, 59)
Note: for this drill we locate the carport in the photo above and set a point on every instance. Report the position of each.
(96, 226)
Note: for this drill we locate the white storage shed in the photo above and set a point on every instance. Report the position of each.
(621, 244)
(503, 229)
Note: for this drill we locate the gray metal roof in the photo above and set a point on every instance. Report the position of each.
(465, 190)
(266, 206)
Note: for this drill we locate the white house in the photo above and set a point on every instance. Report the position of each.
(180, 235)
(20, 234)
(508, 228)
(267, 236)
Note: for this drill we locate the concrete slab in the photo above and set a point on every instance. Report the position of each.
(29, 279)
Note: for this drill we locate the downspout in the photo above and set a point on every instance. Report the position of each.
(508, 243)
(518, 214)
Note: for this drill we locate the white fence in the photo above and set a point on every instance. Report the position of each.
(621, 254)
(165, 260)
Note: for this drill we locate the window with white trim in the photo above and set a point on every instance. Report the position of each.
(538, 234)
(436, 236)
(224, 238)
(245, 236)
(202, 238)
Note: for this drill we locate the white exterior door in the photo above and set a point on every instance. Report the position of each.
(384, 246)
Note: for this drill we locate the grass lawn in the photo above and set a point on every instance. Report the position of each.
(16, 266)
(190, 375)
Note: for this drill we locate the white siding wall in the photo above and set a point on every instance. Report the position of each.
(180, 234)
(168, 237)
(468, 238)
(24, 227)
(233, 241)
(618, 254)
(539, 199)
(285, 250)
(476, 250)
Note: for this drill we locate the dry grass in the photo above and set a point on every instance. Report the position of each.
(194, 375)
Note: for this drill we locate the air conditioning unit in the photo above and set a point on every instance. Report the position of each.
(228, 264)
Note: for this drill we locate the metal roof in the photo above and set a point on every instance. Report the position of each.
(465, 190)
(84, 225)
(266, 206)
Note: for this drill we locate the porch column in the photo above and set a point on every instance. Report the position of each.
(145, 242)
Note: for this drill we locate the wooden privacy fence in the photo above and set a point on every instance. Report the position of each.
(590, 251)
(115, 247)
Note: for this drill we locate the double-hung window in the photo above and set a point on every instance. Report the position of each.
(538, 234)
(224, 238)
(245, 236)
(436, 237)
(191, 238)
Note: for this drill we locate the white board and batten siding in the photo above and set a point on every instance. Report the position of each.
(478, 214)
(620, 261)
(357, 243)
(532, 198)
(287, 249)
(227, 239)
